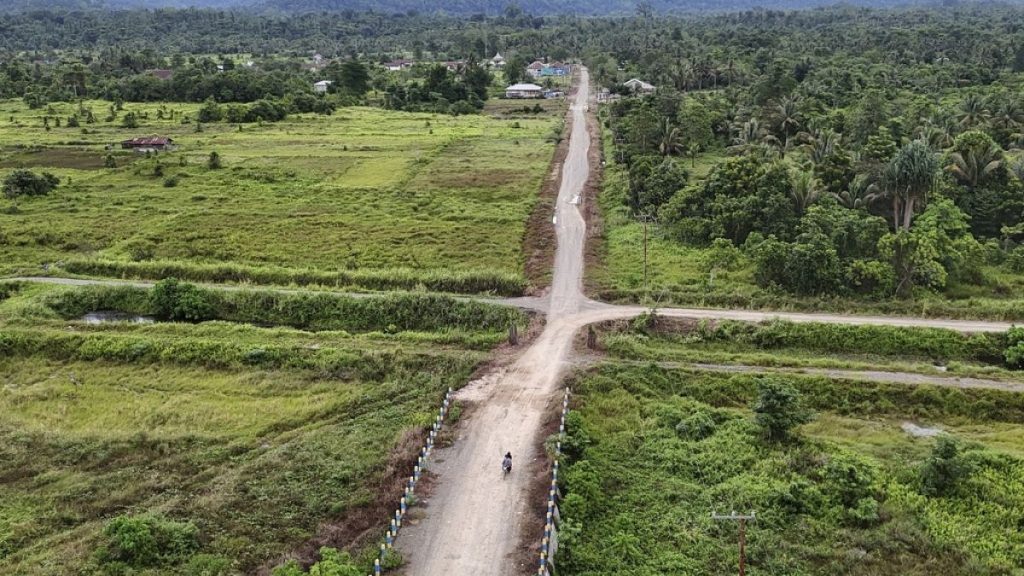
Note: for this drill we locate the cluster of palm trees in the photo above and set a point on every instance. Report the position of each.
(904, 180)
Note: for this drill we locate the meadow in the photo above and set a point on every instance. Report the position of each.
(230, 442)
(653, 451)
(363, 198)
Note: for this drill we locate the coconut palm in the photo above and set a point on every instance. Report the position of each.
(787, 116)
(671, 141)
(822, 144)
(1008, 115)
(858, 194)
(973, 112)
(805, 190)
(972, 166)
(748, 135)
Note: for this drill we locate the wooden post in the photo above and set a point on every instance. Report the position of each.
(513, 335)
(742, 519)
(591, 338)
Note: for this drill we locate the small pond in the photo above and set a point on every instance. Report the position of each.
(107, 316)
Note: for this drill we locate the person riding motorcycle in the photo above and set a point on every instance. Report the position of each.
(506, 464)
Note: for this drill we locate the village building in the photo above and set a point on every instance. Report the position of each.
(553, 94)
(322, 86)
(149, 144)
(524, 91)
(398, 65)
(454, 65)
(638, 86)
(534, 69)
(498, 61)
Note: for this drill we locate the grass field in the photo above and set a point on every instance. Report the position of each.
(362, 190)
(651, 452)
(258, 435)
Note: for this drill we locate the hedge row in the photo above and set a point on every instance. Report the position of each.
(453, 281)
(307, 311)
(346, 364)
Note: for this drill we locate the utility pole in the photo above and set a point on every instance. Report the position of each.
(742, 519)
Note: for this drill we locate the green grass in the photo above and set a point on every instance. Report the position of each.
(259, 435)
(844, 498)
(359, 191)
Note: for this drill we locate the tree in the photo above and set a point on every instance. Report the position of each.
(908, 178)
(975, 158)
(130, 120)
(973, 112)
(808, 266)
(779, 409)
(722, 255)
(213, 163)
(945, 469)
(28, 183)
(653, 182)
(210, 112)
(353, 77)
(805, 191)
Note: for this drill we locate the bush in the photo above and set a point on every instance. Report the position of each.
(945, 468)
(173, 300)
(779, 409)
(28, 183)
(147, 541)
(214, 162)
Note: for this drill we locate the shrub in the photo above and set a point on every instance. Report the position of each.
(945, 468)
(214, 162)
(28, 183)
(779, 409)
(173, 300)
(147, 541)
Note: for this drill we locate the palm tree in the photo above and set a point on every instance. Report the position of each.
(805, 191)
(1017, 169)
(858, 194)
(787, 116)
(975, 164)
(973, 111)
(748, 135)
(822, 144)
(671, 141)
(1008, 115)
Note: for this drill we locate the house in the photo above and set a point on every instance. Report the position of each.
(148, 144)
(322, 86)
(524, 91)
(555, 69)
(605, 95)
(162, 74)
(318, 60)
(638, 86)
(535, 69)
(498, 61)
(398, 65)
(454, 65)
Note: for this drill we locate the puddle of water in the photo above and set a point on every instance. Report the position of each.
(107, 316)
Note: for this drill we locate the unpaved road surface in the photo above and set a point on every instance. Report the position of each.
(474, 517)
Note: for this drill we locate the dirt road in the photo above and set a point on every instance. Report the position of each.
(474, 518)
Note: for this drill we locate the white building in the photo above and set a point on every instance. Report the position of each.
(322, 86)
(498, 61)
(524, 91)
(638, 86)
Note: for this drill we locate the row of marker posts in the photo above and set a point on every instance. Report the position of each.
(410, 486)
(547, 549)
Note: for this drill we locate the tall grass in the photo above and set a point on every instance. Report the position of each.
(309, 311)
(453, 281)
